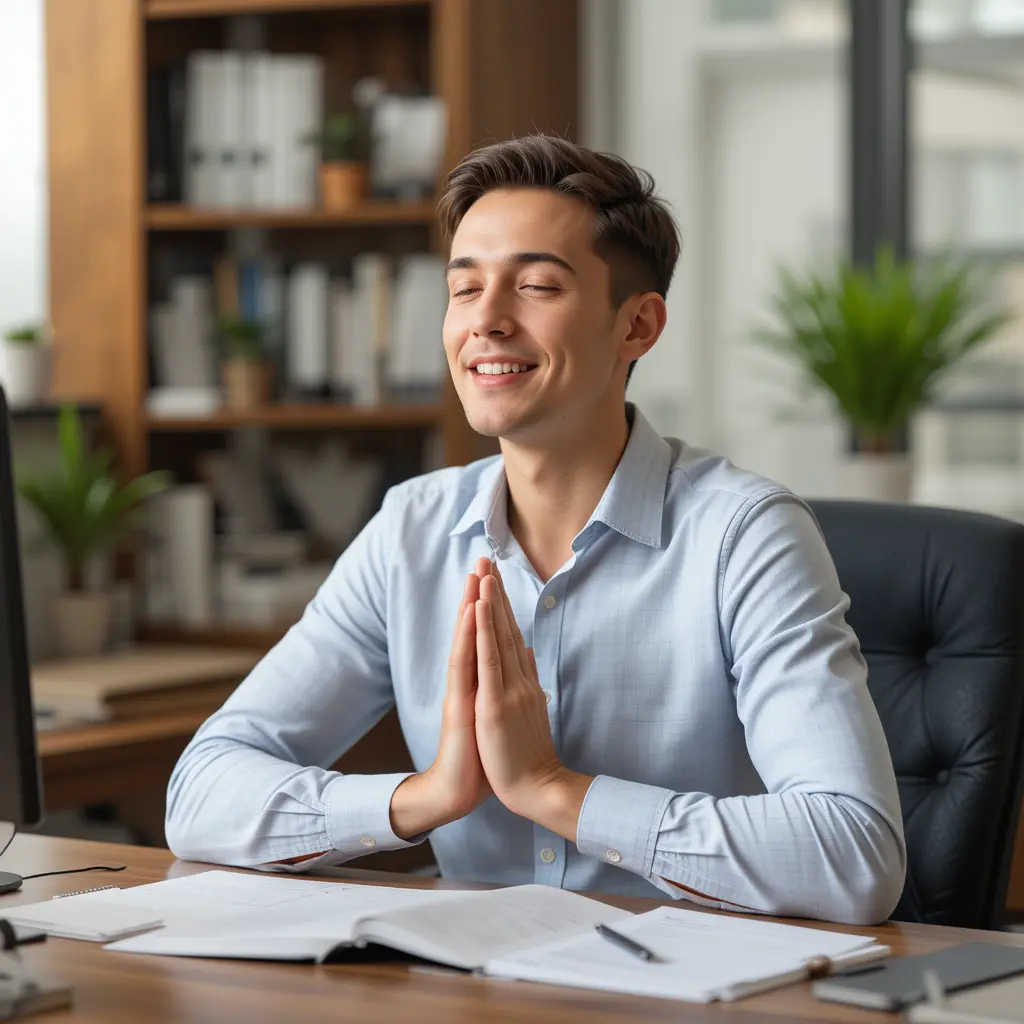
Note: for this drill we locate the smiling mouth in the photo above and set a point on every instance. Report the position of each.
(502, 369)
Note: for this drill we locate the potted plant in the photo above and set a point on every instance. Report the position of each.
(879, 339)
(344, 152)
(25, 360)
(244, 367)
(85, 511)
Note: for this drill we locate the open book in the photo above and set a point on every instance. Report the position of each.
(459, 929)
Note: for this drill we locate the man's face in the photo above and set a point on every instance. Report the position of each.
(530, 334)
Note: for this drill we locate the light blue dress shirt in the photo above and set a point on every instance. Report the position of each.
(696, 658)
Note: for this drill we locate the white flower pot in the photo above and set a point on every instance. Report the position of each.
(25, 372)
(868, 477)
(82, 621)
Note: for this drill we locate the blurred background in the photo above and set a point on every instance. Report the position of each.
(217, 242)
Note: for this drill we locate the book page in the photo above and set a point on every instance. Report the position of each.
(268, 918)
(473, 927)
(703, 956)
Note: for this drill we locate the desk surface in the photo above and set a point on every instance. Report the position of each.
(111, 988)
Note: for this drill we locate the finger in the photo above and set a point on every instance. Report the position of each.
(483, 568)
(511, 670)
(517, 636)
(462, 663)
(533, 663)
(468, 597)
(491, 685)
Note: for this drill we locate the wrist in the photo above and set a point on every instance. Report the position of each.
(417, 808)
(555, 801)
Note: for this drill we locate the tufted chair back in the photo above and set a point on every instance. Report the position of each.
(937, 601)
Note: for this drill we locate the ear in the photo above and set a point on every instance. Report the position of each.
(647, 315)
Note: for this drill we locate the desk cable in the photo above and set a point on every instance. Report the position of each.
(66, 871)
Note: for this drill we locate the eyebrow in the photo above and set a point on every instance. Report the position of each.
(517, 259)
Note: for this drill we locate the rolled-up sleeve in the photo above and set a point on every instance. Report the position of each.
(826, 839)
(254, 786)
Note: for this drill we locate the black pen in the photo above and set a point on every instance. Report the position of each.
(627, 944)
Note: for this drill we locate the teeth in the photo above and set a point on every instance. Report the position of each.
(499, 368)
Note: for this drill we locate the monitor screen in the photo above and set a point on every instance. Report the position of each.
(20, 790)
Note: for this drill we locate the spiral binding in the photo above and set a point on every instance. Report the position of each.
(80, 892)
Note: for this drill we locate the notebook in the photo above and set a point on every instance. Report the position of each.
(82, 917)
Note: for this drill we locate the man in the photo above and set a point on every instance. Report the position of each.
(652, 687)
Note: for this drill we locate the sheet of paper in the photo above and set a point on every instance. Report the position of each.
(477, 926)
(705, 956)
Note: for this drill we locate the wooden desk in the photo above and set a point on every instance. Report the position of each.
(122, 987)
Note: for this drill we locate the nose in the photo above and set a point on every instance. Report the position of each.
(491, 317)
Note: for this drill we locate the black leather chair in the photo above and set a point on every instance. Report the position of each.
(937, 601)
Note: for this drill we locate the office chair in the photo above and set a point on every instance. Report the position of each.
(937, 600)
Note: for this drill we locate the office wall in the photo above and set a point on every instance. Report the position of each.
(776, 195)
(22, 163)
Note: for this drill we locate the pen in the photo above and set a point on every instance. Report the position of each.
(627, 944)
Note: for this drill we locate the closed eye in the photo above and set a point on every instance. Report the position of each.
(542, 287)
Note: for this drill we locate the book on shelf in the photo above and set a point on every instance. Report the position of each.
(308, 329)
(165, 126)
(416, 360)
(372, 334)
(234, 129)
(249, 122)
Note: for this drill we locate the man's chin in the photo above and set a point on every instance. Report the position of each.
(491, 423)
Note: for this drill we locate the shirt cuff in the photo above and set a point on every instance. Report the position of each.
(357, 814)
(619, 823)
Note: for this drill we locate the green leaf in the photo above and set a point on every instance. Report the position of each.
(83, 507)
(879, 338)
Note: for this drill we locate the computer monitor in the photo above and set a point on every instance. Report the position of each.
(21, 800)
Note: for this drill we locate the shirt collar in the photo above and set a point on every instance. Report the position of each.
(633, 503)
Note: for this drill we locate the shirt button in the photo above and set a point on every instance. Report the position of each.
(614, 857)
(547, 855)
(367, 841)
(547, 696)
(550, 601)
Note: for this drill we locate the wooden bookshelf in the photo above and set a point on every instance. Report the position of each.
(161, 10)
(111, 253)
(173, 217)
(307, 417)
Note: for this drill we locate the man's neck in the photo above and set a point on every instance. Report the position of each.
(553, 489)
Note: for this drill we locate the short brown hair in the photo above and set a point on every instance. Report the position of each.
(634, 232)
